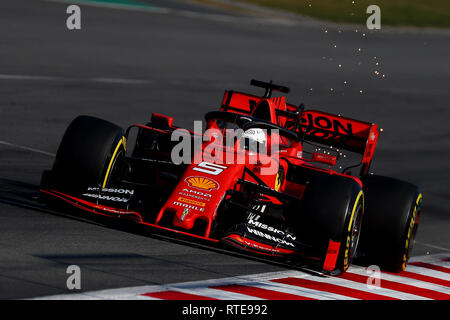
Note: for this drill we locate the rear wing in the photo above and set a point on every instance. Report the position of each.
(341, 132)
(239, 102)
(315, 126)
(245, 103)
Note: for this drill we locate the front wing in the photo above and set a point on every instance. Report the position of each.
(250, 237)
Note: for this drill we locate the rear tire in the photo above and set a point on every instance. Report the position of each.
(332, 209)
(390, 223)
(87, 153)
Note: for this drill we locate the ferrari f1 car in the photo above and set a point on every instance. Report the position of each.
(310, 207)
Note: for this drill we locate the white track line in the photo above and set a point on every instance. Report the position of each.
(405, 280)
(428, 272)
(204, 288)
(361, 286)
(266, 278)
(27, 77)
(254, 281)
(211, 293)
(432, 258)
(432, 246)
(437, 259)
(304, 292)
(27, 148)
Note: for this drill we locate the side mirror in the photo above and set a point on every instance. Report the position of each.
(161, 119)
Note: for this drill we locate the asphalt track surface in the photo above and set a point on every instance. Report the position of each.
(125, 64)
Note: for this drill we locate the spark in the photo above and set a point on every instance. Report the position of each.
(360, 91)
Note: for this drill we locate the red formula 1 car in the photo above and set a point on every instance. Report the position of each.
(299, 200)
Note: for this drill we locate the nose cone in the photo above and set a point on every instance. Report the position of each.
(199, 194)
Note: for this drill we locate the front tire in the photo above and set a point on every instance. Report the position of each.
(390, 223)
(87, 153)
(331, 212)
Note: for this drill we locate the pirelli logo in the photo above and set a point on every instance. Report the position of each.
(191, 201)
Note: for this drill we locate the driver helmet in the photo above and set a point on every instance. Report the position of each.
(254, 140)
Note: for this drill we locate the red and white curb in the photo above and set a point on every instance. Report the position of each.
(425, 278)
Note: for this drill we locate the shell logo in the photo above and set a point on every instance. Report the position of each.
(202, 183)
